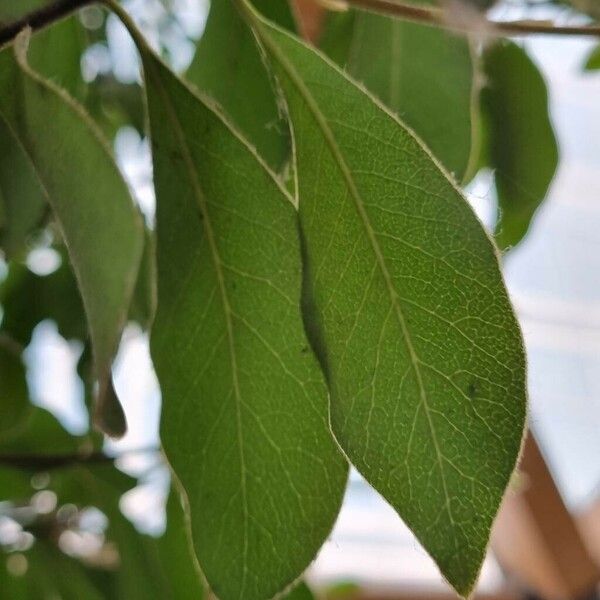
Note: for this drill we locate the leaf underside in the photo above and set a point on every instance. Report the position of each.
(245, 414)
(422, 74)
(423, 352)
(228, 60)
(90, 201)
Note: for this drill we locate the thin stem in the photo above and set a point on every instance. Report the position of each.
(44, 462)
(437, 17)
(38, 19)
(418, 14)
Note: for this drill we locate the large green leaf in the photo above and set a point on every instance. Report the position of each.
(423, 352)
(423, 74)
(522, 147)
(228, 67)
(100, 225)
(245, 415)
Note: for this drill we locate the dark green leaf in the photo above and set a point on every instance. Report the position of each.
(11, 10)
(149, 568)
(43, 434)
(229, 68)
(100, 225)
(28, 298)
(299, 592)
(423, 352)
(245, 416)
(143, 304)
(423, 74)
(55, 53)
(21, 195)
(522, 147)
(114, 104)
(14, 396)
(55, 575)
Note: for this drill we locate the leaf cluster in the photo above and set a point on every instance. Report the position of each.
(317, 291)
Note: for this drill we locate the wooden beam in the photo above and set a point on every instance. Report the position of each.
(310, 16)
(536, 540)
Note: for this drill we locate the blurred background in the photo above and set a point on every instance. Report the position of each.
(547, 539)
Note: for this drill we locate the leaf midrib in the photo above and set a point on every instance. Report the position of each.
(216, 259)
(358, 203)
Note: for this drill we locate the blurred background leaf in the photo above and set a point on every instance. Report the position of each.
(423, 74)
(522, 148)
(228, 60)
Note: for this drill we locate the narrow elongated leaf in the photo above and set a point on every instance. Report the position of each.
(245, 415)
(228, 67)
(423, 74)
(100, 225)
(423, 352)
(56, 53)
(522, 148)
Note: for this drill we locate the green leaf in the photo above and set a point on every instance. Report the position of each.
(21, 195)
(55, 53)
(592, 62)
(299, 592)
(423, 74)
(43, 434)
(53, 574)
(149, 567)
(423, 353)
(522, 148)
(11, 10)
(100, 225)
(114, 104)
(245, 415)
(143, 303)
(14, 396)
(229, 68)
(28, 298)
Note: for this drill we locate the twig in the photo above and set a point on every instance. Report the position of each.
(38, 19)
(44, 462)
(437, 17)
(419, 14)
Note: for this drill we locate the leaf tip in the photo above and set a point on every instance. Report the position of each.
(22, 44)
(109, 417)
